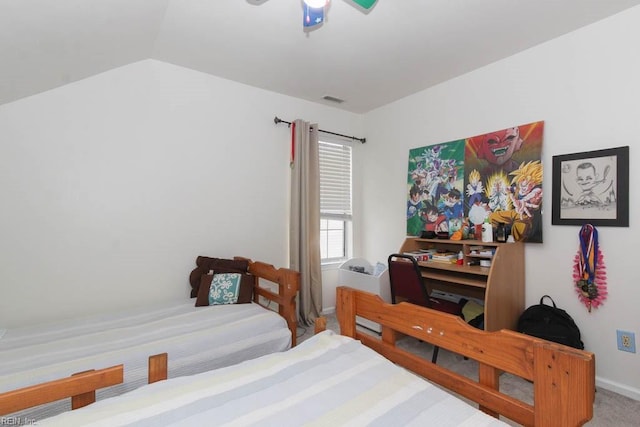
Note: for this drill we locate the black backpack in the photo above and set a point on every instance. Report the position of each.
(550, 323)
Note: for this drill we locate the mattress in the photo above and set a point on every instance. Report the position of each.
(197, 339)
(327, 380)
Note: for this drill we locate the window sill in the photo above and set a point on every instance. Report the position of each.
(332, 265)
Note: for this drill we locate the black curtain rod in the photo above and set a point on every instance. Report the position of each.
(276, 120)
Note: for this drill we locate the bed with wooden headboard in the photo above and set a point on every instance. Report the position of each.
(334, 379)
(199, 337)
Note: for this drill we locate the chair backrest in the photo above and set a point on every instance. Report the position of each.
(406, 281)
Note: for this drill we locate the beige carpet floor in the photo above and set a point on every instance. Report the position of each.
(610, 409)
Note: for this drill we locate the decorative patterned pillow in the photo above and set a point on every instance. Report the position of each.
(220, 265)
(225, 288)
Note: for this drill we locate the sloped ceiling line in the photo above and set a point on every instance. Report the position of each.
(368, 60)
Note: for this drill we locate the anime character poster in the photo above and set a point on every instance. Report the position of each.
(495, 176)
(503, 180)
(435, 188)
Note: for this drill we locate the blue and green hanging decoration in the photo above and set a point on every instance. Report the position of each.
(589, 271)
(313, 15)
(314, 11)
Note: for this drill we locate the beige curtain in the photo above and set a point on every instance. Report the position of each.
(304, 230)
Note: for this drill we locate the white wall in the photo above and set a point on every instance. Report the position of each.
(112, 186)
(585, 86)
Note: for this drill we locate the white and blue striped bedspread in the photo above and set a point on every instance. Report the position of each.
(197, 339)
(327, 380)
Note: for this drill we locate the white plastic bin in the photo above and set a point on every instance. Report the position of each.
(377, 284)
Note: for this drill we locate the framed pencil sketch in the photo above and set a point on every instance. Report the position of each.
(591, 188)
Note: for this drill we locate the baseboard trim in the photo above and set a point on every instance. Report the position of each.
(329, 310)
(623, 389)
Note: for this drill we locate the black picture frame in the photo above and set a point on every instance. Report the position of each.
(591, 187)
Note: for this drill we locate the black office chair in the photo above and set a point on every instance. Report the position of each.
(406, 285)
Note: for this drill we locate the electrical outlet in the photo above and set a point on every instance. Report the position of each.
(626, 341)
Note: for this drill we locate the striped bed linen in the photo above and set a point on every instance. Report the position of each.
(197, 339)
(327, 380)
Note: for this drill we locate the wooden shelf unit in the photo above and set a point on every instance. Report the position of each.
(500, 286)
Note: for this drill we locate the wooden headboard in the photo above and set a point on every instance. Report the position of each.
(288, 283)
(563, 377)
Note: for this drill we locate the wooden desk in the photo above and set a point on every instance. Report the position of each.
(500, 286)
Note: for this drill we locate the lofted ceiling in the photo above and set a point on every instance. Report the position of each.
(368, 60)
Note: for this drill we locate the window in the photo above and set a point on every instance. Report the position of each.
(335, 200)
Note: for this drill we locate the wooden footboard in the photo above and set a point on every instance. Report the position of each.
(563, 377)
(288, 282)
(80, 387)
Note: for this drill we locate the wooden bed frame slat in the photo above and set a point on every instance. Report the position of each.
(451, 332)
(563, 377)
(80, 387)
(83, 399)
(158, 367)
(490, 377)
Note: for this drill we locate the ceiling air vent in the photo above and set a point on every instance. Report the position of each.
(333, 99)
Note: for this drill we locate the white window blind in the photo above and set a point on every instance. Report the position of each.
(335, 180)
